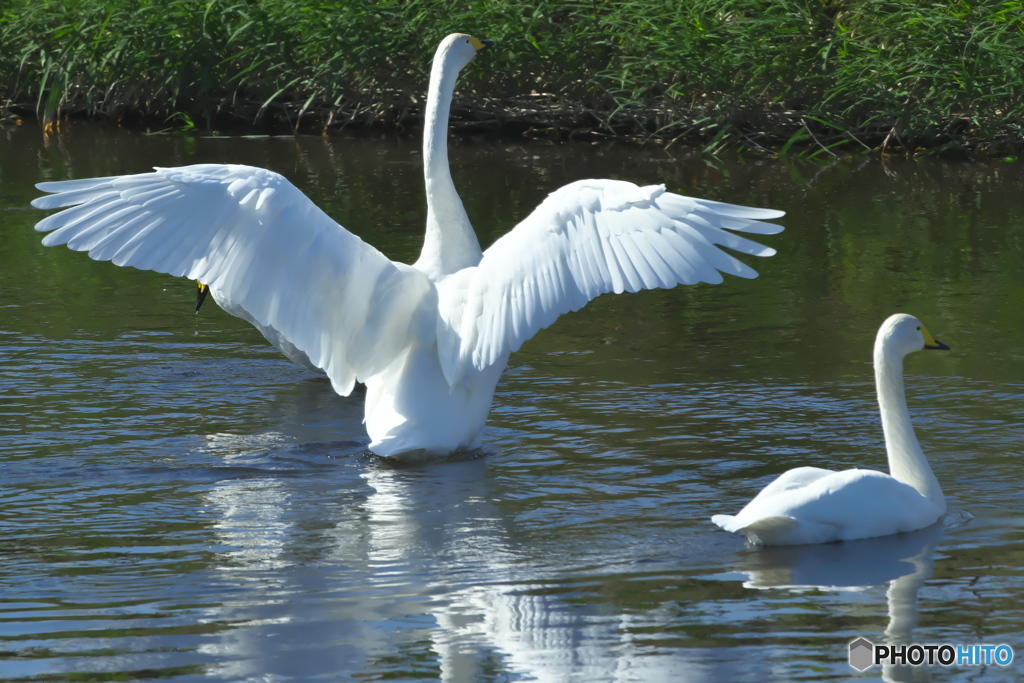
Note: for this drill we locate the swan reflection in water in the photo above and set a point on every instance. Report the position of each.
(375, 568)
(904, 561)
(491, 596)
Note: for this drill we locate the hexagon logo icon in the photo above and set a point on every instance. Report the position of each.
(862, 654)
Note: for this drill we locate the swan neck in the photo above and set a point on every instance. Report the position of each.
(907, 462)
(450, 243)
(435, 133)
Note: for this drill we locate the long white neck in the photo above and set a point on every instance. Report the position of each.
(906, 460)
(450, 243)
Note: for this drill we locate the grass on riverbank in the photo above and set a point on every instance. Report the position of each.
(777, 75)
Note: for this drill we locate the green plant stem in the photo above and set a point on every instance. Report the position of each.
(780, 74)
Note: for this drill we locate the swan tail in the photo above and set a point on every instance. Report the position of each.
(727, 522)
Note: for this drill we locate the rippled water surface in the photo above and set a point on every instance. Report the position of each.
(179, 501)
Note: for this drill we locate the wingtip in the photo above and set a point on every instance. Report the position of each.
(771, 228)
(49, 187)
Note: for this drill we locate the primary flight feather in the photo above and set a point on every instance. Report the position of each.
(431, 339)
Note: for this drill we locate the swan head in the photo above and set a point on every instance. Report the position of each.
(458, 50)
(902, 334)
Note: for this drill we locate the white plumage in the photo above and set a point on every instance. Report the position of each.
(814, 505)
(429, 340)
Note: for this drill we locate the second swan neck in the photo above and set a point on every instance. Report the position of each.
(907, 462)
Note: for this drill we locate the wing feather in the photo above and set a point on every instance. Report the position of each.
(603, 254)
(68, 186)
(630, 261)
(588, 238)
(267, 252)
(107, 245)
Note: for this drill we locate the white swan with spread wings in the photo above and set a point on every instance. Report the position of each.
(430, 339)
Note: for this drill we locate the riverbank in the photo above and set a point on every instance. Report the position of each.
(818, 78)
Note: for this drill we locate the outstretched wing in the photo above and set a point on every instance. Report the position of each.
(588, 238)
(262, 246)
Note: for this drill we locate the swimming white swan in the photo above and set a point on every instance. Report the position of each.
(814, 505)
(429, 340)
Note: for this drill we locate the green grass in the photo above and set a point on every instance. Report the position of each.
(815, 76)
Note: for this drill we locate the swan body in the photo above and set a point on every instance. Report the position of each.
(814, 505)
(429, 340)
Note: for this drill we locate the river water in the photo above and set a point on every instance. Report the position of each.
(178, 501)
